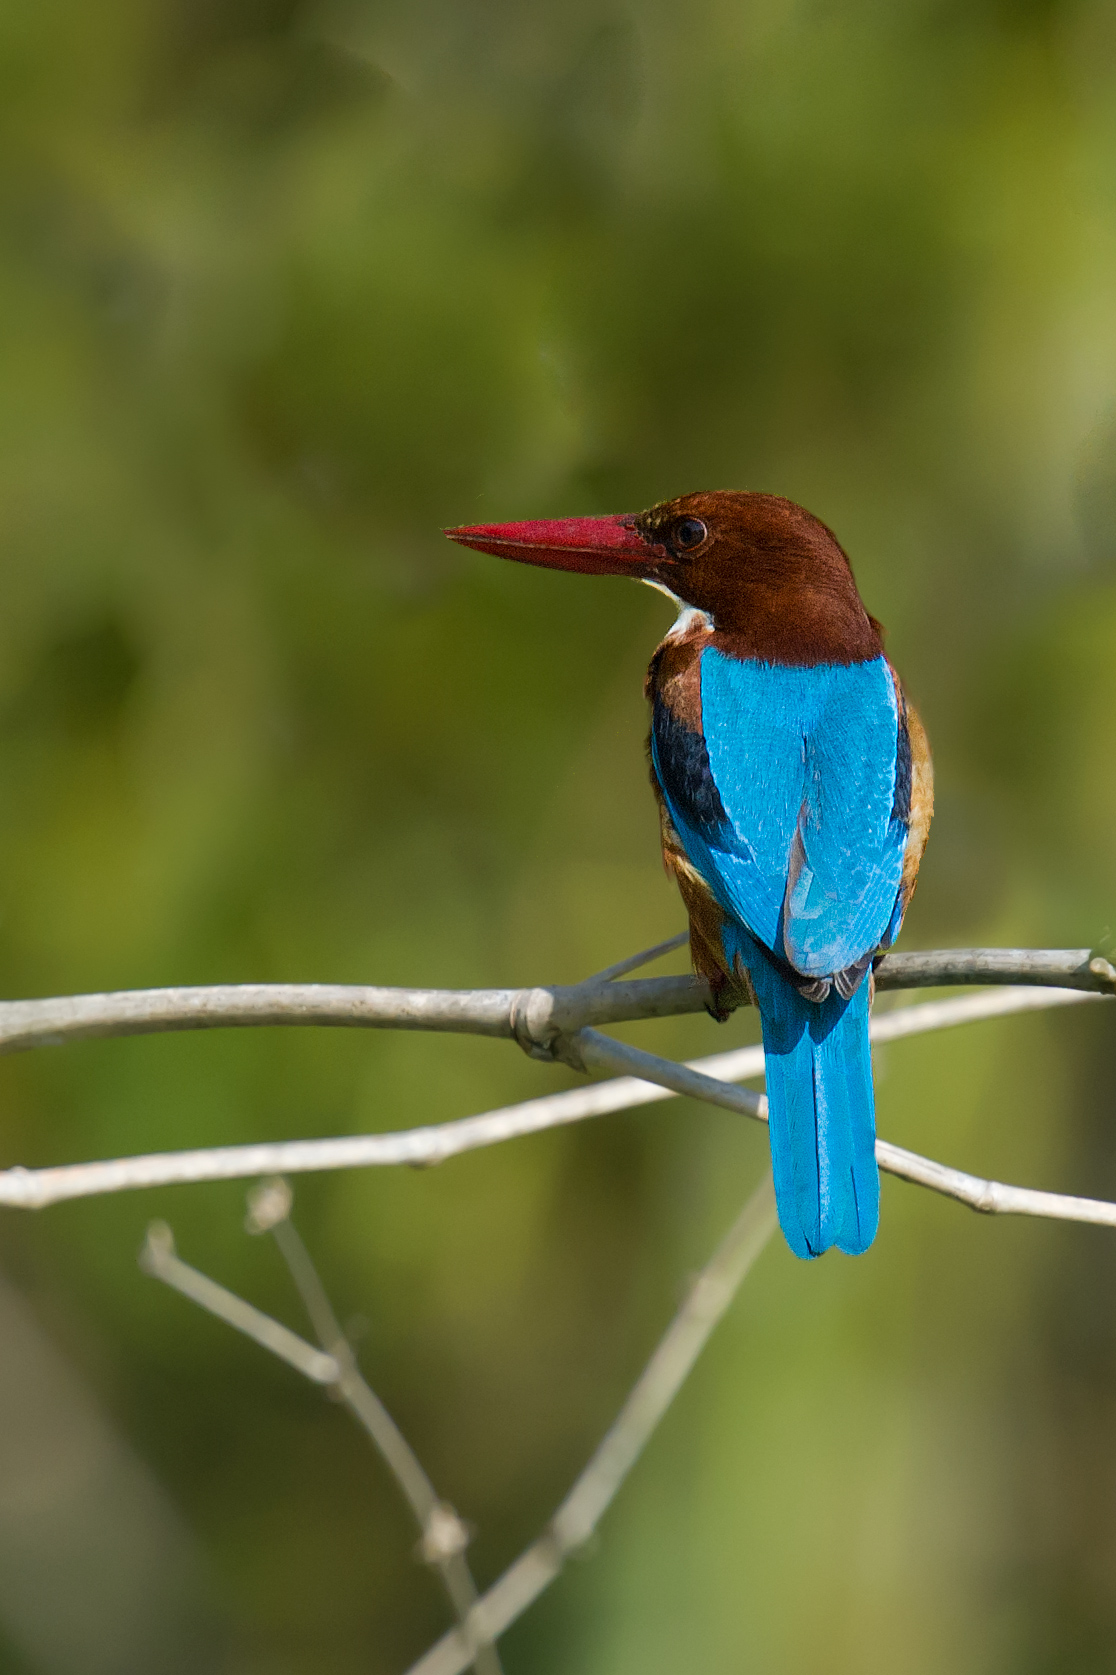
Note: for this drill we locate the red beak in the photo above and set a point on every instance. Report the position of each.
(597, 546)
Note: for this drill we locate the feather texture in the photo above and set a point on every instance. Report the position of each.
(791, 804)
(820, 1109)
(787, 802)
(795, 795)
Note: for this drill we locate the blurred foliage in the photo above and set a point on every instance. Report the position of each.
(284, 287)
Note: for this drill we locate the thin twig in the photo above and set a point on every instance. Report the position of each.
(601, 1052)
(444, 1536)
(158, 1259)
(36, 1188)
(994, 1198)
(645, 957)
(581, 1511)
(535, 1015)
(541, 1021)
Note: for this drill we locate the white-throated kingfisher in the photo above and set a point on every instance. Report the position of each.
(795, 792)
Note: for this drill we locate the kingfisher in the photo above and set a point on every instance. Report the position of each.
(795, 792)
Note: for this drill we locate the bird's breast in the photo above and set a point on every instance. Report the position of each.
(679, 758)
(674, 677)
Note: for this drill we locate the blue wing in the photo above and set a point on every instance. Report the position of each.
(794, 818)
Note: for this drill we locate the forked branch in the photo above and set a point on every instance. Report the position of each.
(594, 1491)
(644, 1079)
(444, 1537)
(550, 1024)
(482, 1620)
(533, 1015)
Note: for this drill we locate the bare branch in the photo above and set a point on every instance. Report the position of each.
(900, 1021)
(158, 1259)
(993, 1198)
(634, 961)
(37, 1023)
(444, 1536)
(581, 1511)
(601, 1052)
(537, 1019)
(533, 1016)
(1070, 968)
(590, 1050)
(37, 1188)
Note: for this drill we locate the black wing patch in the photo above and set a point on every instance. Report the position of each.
(681, 761)
(901, 804)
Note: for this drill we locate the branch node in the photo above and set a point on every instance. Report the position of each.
(532, 1023)
(444, 1536)
(566, 1049)
(269, 1203)
(157, 1246)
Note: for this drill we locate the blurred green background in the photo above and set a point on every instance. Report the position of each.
(285, 287)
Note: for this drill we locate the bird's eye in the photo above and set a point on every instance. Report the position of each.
(689, 533)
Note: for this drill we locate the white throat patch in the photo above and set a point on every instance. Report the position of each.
(688, 615)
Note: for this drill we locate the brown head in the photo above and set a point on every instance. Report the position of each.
(772, 577)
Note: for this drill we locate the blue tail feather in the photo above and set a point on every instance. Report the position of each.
(821, 1111)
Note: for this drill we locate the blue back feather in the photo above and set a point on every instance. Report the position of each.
(793, 807)
(805, 764)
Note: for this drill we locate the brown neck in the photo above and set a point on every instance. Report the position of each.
(774, 579)
(800, 624)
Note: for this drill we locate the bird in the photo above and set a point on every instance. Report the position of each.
(795, 791)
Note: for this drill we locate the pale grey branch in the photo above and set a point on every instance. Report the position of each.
(644, 957)
(444, 1536)
(601, 1052)
(400, 1458)
(991, 1197)
(158, 1259)
(37, 1188)
(581, 1511)
(530, 1015)
(1070, 968)
(550, 1023)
